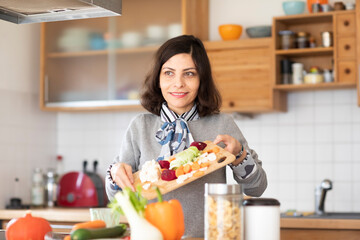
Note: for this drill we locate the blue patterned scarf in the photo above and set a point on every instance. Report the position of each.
(174, 135)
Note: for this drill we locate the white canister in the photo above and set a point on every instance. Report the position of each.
(298, 73)
(261, 219)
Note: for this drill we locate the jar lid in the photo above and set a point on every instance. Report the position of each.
(286, 32)
(261, 202)
(302, 34)
(222, 188)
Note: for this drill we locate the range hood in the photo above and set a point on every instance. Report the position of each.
(34, 11)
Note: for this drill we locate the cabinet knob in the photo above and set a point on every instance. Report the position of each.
(347, 47)
(347, 70)
(231, 104)
(346, 23)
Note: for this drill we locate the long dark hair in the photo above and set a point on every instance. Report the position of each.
(208, 99)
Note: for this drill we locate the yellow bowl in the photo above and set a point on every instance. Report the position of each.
(230, 31)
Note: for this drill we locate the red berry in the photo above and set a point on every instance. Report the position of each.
(168, 175)
(164, 164)
(199, 145)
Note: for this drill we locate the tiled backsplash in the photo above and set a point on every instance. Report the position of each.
(27, 134)
(317, 138)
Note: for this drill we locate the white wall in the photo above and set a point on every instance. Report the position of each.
(27, 135)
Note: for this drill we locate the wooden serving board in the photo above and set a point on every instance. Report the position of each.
(223, 158)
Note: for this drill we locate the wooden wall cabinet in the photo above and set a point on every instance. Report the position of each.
(358, 48)
(78, 73)
(340, 57)
(244, 72)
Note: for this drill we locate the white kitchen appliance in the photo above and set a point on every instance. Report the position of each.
(262, 219)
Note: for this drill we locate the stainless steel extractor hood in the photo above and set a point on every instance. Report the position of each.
(34, 11)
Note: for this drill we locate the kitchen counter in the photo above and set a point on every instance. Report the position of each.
(291, 227)
(320, 223)
(51, 214)
(61, 219)
(319, 228)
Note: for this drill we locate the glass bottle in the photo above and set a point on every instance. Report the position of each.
(287, 39)
(302, 40)
(38, 189)
(223, 212)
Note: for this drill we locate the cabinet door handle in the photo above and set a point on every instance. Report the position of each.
(346, 23)
(347, 70)
(347, 47)
(231, 104)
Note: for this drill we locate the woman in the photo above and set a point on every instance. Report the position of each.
(184, 104)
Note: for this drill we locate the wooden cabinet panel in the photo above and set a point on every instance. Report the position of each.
(318, 234)
(345, 24)
(347, 71)
(346, 47)
(243, 71)
(358, 48)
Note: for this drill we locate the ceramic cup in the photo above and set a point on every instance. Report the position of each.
(298, 73)
(316, 7)
(350, 6)
(326, 7)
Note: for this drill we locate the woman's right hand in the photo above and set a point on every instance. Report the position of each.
(121, 174)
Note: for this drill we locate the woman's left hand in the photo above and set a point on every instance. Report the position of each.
(231, 144)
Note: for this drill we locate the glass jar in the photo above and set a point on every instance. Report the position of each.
(302, 40)
(223, 212)
(38, 189)
(287, 39)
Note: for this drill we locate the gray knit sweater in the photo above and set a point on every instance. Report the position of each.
(139, 146)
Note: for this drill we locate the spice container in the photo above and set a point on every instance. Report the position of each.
(302, 40)
(312, 42)
(287, 39)
(223, 212)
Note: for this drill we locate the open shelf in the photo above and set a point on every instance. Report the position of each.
(305, 51)
(318, 86)
(145, 49)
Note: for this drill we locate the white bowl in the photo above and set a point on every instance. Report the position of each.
(131, 39)
(155, 32)
(174, 30)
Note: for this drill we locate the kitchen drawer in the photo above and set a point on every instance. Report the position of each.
(347, 71)
(345, 24)
(346, 47)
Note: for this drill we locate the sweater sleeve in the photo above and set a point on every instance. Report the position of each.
(128, 154)
(250, 172)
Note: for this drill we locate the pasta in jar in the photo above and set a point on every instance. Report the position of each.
(223, 214)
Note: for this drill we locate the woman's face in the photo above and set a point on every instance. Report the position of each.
(179, 82)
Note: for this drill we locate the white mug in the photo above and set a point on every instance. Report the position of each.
(298, 73)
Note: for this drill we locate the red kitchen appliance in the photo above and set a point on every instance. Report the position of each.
(82, 189)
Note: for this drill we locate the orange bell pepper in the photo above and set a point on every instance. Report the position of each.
(167, 216)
